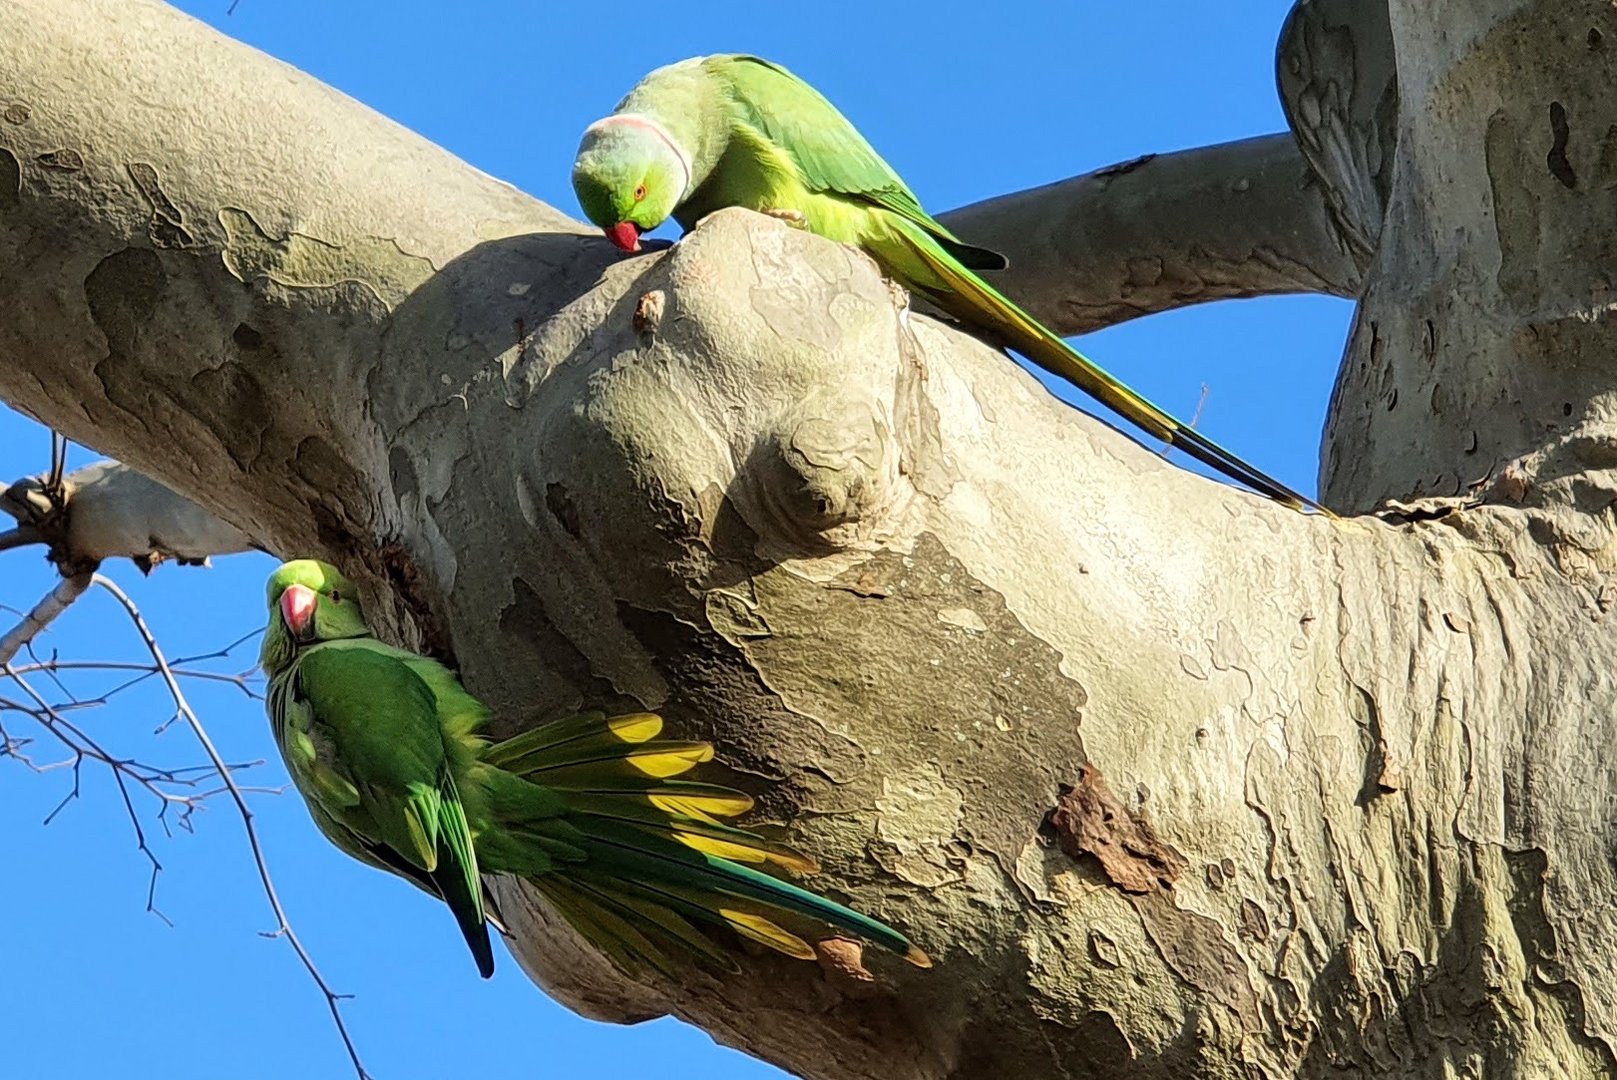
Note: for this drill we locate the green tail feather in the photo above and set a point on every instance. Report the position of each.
(607, 925)
(638, 856)
(636, 861)
(458, 881)
(716, 839)
(664, 923)
(971, 298)
(652, 761)
(710, 883)
(692, 908)
(585, 730)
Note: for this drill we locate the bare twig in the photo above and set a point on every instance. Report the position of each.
(79, 744)
(240, 680)
(123, 770)
(284, 927)
(55, 602)
(1195, 418)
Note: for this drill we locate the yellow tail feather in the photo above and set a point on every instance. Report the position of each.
(662, 764)
(746, 853)
(764, 932)
(703, 807)
(636, 727)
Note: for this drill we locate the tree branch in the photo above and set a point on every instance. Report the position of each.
(107, 510)
(1338, 80)
(21, 536)
(1220, 222)
(737, 481)
(49, 608)
(1331, 771)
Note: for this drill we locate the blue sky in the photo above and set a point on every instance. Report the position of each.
(965, 105)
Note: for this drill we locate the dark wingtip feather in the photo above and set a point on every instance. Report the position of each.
(483, 953)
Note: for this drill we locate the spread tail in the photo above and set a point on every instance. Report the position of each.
(591, 811)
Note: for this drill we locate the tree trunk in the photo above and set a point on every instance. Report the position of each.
(1169, 780)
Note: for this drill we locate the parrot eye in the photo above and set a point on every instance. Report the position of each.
(336, 597)
(639, 193)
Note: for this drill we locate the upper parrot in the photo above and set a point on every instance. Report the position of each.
(733, 130)
(382, 744)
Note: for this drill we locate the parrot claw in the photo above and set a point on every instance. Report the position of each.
(795, 218)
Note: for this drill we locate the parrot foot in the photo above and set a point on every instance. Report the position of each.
(795, 218)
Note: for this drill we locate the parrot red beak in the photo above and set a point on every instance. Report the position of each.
(297, 610)
(625, 234)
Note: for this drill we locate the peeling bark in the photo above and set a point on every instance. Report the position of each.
(908, 594)
(1090, 821)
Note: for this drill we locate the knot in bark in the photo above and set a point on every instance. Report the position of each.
(826, 468)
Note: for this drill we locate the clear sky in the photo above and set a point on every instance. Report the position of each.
(965, 104)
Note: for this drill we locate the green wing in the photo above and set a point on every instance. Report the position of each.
(830, 154)
(361, 734)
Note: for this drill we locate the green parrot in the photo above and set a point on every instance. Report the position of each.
(732, 130)
(383, 745)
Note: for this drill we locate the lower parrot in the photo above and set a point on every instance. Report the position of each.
(734, 130)
(383, 745)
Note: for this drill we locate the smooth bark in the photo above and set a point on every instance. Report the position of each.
(1226, 222)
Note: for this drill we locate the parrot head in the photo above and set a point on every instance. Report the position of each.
(309, 602)
(630, 175)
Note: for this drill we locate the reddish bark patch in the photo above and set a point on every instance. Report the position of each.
(1090, 820)
(843, 961)
(648, 311)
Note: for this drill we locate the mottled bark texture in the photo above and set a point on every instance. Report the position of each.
(1246, 218)
(1169, 780)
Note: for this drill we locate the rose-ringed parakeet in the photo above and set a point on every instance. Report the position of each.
(733, 130)
(383, 745)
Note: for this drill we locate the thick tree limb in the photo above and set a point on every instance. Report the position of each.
(1339, 83)
(1479, 356)
(107, 510)
(1343, 805)
(1221, 222)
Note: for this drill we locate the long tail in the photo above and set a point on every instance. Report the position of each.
(589, 809)
(966, 296)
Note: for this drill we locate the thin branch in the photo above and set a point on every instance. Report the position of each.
(284, 927)
(53, 480)
(83, 746)
(239, 681)
(45, 612)
(71, 699)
